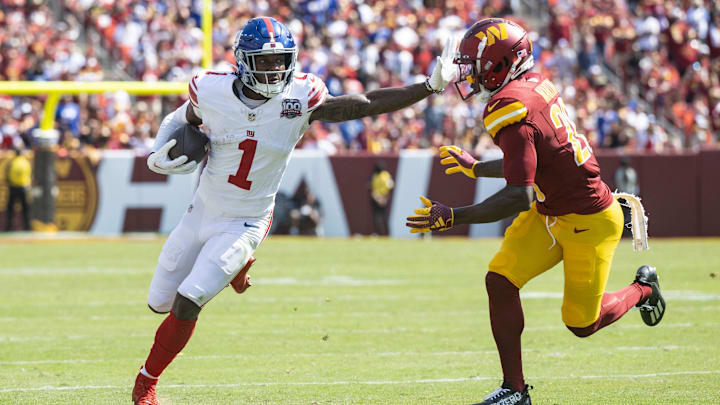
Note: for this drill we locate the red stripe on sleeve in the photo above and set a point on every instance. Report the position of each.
(193, 94)
(318, 99)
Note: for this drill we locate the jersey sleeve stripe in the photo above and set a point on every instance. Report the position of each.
(193, 91)
(193, 95)
(504, 110)
(318, 99)
(505, 120)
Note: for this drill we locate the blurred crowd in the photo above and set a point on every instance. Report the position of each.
(637, 75)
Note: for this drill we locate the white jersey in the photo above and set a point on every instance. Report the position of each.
(250, 148)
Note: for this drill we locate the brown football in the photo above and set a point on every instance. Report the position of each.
(191, 141)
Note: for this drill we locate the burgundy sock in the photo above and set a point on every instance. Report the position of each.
(613, 306)
(171, 337)
(507, 321)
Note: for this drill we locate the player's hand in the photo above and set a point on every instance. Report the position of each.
(461, 161)
(434, 217)
(160, 162)
(445, 70)
(241, 282)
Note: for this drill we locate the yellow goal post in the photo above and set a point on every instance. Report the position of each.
(55, 89)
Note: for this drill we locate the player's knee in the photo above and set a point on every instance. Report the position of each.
(159, 303)
(496, 282)
(160, 311)
(582, 332)
(185, 309)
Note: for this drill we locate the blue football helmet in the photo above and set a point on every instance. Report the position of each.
(264, 36)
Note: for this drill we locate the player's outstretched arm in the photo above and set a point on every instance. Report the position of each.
(489, 168)
(436, 216)
(461, 161)
(505, 203)
(351, 107)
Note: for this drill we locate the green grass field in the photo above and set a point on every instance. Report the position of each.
(346, 321)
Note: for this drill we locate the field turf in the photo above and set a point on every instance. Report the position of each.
(346, 321)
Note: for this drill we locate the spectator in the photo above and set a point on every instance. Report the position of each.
(626, 182)
(381, 184)
(665, 54)
(305, 217)
(626, 177)
(19, 178)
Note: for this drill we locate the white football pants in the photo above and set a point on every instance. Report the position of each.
(203, 254)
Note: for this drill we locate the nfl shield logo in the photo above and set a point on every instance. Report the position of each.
(251, 116)
(291, 108)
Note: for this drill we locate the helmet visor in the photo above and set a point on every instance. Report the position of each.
(467, 84)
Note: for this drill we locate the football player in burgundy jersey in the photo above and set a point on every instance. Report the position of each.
(575, 218)
(253, 118)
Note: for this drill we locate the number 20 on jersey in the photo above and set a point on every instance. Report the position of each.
(580, 145)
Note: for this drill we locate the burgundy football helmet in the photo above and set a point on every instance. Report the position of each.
(492, 52)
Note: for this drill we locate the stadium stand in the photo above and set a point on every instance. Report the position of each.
(627, 91)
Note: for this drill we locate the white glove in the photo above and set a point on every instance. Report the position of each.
(159, 162)
(445, 70)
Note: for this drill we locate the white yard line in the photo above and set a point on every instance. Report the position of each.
(183, 357)
(337, 331)
(52, 271)
(387, 382)
(385, 331)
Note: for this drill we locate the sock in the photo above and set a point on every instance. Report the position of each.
(507, 322)
(171, 337)
(146, 374)
(613, 306)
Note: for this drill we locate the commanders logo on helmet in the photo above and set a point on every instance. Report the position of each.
(492, 52)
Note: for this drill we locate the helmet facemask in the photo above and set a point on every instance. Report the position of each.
(474, 70)
(259, 80)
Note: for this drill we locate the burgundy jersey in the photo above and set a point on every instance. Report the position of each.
(542, 148)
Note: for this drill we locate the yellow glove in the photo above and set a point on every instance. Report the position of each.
(463, 162)
(434, 217)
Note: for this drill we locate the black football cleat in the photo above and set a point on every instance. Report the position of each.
(653, 308)
(505, 395)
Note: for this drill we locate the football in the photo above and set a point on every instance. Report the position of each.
(191, 141)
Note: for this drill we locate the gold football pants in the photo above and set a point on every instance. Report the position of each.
(586, 244)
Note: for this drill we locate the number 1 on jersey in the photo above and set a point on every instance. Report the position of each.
(240, 177)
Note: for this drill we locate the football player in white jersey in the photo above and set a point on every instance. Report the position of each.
(253, 118)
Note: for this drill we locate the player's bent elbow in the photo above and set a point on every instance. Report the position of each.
(522, 197)
(524, 205)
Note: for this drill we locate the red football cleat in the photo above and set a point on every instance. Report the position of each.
(144, 391)
(241, 282)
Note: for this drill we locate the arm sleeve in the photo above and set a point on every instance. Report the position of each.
(517, 142)
(170, 123)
